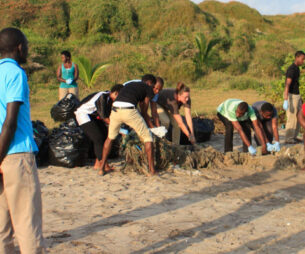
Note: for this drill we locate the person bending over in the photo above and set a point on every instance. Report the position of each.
(237, 114)
(124, 110)
(157, 83)
(267, 117)
(169, 102)
(92, 116)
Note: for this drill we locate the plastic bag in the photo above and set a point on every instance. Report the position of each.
(64, 109)
(41, 137)
(203, 129)
(68, 146)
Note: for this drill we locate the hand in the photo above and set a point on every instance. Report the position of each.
(270, 147)
(69, 81)
(276, 146)
(252, 150)
(285, 105)
(192, 139)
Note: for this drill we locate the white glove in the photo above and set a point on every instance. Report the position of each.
(159, 131)
(69, 81)
(252, 150)
(270, 147)
(276, 146)
(285, 105)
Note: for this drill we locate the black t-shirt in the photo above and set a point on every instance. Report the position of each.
(293, 72)
(167, 101)
(135, 92)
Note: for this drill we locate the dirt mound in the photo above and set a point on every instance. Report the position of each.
(187, 157)
(201, 157)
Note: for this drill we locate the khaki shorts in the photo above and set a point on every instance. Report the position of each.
(64, 91)
(20, 205)
(131, 117)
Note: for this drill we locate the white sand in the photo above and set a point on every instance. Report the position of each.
(229, 210)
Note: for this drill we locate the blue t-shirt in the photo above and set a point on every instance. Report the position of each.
(14, 87)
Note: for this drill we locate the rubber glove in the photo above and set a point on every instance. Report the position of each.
(285, 105)
(270, 147)
(277, 147)
(252, 150)
(69, 81)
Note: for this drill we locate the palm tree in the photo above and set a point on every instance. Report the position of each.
(203, 58)
(87, 73)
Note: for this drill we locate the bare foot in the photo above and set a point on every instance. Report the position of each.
(108, 168)
(97, 165)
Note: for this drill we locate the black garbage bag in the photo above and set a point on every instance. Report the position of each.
(41, 137)
(64, 109)
(68, 146)
(203, 129)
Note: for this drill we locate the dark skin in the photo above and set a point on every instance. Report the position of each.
(274, 121)
(148, 145)
(299, 61)
(67, 64)
(301, 119)
(19, 54)
(243, 136)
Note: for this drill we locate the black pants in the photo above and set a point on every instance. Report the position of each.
(267, 126)
(245, 125)
(97, 132)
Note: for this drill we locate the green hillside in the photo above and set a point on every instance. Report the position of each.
(157, 36)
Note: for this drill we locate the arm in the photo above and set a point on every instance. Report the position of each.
(301, 120)
(287, 85)
(239, 129)
(58, 74)
(8, 128)
(154, 113)
(275, 129)
(189, 121)
(263, 132)
(76, 72)
(259, 132)
(183, 127)
(144, 107)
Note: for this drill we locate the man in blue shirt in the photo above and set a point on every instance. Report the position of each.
(20, 195)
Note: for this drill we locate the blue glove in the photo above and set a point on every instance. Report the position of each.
(252, 150)
(277, 147)
(69, 81)
(270, 147)
(285, 105)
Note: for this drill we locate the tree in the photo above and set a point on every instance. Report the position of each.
(88, 74)
(204, 57)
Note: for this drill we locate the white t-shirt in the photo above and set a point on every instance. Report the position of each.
(83, 112)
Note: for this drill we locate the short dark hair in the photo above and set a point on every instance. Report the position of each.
(160, 81)
(66, 53)
(116, 88)
(243, 106)
(267, 107)
(150, 77)
(299, 53)
(10, 38)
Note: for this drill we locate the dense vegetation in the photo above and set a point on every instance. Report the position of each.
(157, 36)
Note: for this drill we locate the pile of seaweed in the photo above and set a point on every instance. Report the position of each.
(188, 157)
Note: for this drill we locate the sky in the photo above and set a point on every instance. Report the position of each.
(272, 7)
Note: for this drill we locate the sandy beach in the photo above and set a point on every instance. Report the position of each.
(240, 209)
